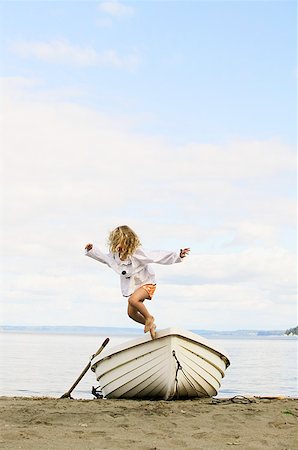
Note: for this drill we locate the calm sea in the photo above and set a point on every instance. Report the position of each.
(48, 364)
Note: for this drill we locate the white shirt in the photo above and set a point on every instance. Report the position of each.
(135, 271)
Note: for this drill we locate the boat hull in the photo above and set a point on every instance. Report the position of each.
(177, 364)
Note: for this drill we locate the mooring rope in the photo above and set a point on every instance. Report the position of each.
(179, 367)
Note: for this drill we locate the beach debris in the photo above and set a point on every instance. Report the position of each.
(83, 425)
(235, 399)
(233, 443)
(242, 399)
(287, 411)
(97, 392)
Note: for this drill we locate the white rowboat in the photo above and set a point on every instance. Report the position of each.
(177, 364)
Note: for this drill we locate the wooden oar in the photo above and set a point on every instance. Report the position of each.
(67, 394)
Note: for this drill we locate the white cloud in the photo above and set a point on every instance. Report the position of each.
(116, 9)
(63, 52)
(71, 174)
(104, 22)
(272, 269)
(247, 232)
(98, 167)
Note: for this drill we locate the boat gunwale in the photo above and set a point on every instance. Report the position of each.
(160, 335)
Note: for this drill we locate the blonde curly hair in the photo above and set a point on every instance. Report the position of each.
(124, 241)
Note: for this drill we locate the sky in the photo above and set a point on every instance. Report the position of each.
(176, 118)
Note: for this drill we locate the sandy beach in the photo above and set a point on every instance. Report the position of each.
(247, 423)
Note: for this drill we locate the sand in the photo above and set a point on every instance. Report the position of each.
(47, 423)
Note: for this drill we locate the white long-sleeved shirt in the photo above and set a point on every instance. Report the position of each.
(135, 271)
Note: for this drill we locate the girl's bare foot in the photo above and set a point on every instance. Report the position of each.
(152, 330)
(148, 324)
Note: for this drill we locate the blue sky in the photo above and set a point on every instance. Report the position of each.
(233, 62)
(178, 118)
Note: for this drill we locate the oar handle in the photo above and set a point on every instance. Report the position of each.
(105, 342)
(67, 394)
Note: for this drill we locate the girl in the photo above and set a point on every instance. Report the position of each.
(137, 279)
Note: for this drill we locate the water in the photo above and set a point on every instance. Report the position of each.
(48, 364)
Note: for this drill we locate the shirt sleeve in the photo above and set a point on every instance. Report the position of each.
(95, 253)
(159, 257)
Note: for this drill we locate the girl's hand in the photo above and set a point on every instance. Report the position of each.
(88, 247)
(184, 252)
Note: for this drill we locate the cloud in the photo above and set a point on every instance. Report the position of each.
(116, 9)
(104, 22)
(94, 160)
(63, 52)
(272, 269)
(98, 167)
(71, 174)
(252, 232)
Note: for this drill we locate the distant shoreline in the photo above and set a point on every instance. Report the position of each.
(88, 330)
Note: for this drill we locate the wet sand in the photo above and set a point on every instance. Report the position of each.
(244, 423)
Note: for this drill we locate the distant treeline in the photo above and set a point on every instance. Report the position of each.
(292, 331)
(271, 333)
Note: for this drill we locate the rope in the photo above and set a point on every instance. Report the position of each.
(179, 367)
(235, 399)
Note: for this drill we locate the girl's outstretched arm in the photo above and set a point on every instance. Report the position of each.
(95, 253)
(160, 257)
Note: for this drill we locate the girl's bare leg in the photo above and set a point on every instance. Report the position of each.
(136, 301)
(135, 315)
